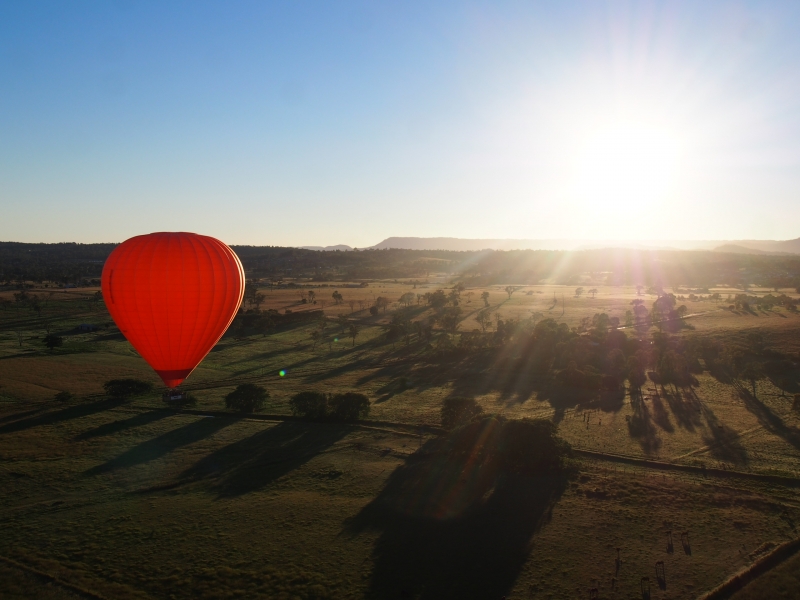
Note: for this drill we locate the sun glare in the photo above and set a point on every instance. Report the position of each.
(627, 165)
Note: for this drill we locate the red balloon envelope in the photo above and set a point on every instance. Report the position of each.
(173, 295)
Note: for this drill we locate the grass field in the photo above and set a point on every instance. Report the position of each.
(130, 500)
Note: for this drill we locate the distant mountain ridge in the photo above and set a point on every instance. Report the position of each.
(341, 247)
(475, 244)
(467, 244)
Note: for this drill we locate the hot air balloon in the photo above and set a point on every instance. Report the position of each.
(173, 295)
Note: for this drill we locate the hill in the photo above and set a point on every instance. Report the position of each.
(467, 244)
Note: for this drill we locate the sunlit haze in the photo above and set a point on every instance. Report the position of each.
(299, 124)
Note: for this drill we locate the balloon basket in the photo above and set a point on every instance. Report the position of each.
(174, 396)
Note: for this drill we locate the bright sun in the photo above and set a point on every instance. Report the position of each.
(626, 164)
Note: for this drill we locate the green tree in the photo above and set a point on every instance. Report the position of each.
(247, 398)
(125, 388)
(407, 299)
(349, 406)
(51, 340)
(485, 298)
(484, 319)
(578, 292)
(353, 332)
(309, 404)
(315, 336)
(337, 297)
(450, 319)
(382, 302)
(437, 300)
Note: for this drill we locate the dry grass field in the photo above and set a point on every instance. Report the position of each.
(133, 500)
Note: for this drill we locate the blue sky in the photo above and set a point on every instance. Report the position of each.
(319, 123)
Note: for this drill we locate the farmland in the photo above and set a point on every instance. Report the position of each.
(133, 499)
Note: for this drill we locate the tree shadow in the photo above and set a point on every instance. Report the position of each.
(723, 443)
(660, 415)
(66, 414)
(253, 463)
(453, 524)
(686, 408)
(157, 447)
(123, 424)
(769, 420)
(21, 415)
(391, 389)
(641, 427)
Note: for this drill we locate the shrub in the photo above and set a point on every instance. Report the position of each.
(247, 397)
(524, 446)
(52, 340)
(312, 405)
(124, 388)
(63, 397)
(349, 406)
(457, 411)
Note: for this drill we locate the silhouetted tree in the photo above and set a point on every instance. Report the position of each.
(752, 372)
(52, 340)
(247, 398)
(353, 332)
(309, 404)
(125, 388)
(349, 406)
(315, 336)
(382, 302)
(484, 319)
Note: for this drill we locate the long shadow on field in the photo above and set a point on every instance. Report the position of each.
(66, 414)
(685, 407)
(660, 415)
(253, 463)
(21, 415)
(164, 444)
(723, 443)
(642, 428)
(769, 420)
(123, 424)
(454, 525)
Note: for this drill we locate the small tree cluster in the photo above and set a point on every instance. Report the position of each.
(126, 388)
(349, 406)
(247, 398)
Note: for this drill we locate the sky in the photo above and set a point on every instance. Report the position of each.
(318, 123)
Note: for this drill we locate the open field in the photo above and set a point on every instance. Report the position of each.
(129, 499)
